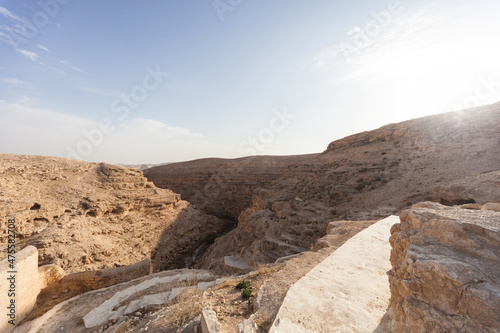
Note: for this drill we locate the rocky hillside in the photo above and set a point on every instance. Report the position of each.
(221, 187)
(445, 273)
(90, 216)
(452, 158)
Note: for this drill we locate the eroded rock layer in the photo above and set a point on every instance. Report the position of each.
(445, 273)
(450, 158)
(93, 215)
(222, 187)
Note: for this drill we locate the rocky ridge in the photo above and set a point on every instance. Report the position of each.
(86, 216)
(453, 157)
(221, 187)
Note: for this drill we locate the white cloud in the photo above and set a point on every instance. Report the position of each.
(43, 48)
(6, 34)
(373, 39)
(28, 54)
(4, 37)
(34, 131)
(5, 12)
(28, 130)
(70, 65)
(157, 130)
(102, 92)
(151, 141)
(12, 81)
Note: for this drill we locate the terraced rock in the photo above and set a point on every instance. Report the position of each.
(450, 158)
(88, 216)
(221, 187)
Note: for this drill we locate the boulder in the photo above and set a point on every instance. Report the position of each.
(445, 274)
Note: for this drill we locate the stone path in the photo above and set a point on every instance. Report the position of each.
(347, 292)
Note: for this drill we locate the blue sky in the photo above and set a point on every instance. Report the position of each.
(162, 81)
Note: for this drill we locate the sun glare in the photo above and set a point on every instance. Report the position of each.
(426, 67)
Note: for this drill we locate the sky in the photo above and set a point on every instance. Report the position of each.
(123, 81)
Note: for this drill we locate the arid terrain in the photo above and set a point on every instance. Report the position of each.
(221, 187)
(85, 216)
(270, 221)
(452, 158)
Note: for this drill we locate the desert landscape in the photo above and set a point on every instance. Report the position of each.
(391, 230)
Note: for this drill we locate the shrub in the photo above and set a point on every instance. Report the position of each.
(247, 292)
(246, 289)
(243, 285)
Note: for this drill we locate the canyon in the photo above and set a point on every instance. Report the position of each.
(221, 187)
(366, 176)
(88, 216)
(270, 220)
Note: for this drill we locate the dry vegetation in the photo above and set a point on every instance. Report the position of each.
(227, 300)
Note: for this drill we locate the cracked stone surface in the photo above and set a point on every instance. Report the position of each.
(446, 270)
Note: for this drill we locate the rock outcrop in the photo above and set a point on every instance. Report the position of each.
(221, 187)
(369, 175)
(88, 216)
(445, 273)
(342, 294)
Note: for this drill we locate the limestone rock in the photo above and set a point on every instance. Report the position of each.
(209, 322)
(346, 292)
(492, 206)
(248, 326)
(89, 216)
(445, 273)
(478, 189)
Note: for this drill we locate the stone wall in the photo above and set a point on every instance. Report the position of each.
(75, 284)
(91, 280)
(445, 274)
(27, 287)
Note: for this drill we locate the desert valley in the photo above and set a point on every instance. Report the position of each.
(391, 230)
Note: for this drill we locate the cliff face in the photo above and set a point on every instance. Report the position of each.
(91, 216)
(452, 158)
(446, 269)
(221, 187)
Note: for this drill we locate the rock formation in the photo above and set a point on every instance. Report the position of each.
(445, 273)
(451, 158)
(125, 307)
(87, 216)
(221, 187)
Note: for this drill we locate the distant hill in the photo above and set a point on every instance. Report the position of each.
(141, 166)
(222, 187)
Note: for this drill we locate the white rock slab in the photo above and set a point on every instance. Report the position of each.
(347, 292)
(147, 300)
(209, 322)
(103, 313)
(236, 262)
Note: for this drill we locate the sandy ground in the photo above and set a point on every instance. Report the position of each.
(347, 292)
